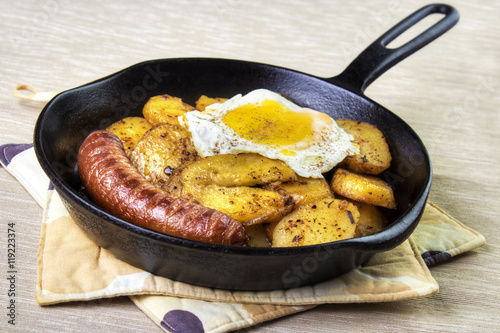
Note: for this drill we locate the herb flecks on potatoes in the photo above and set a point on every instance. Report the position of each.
(321, 221)
(238, 170)
(130, 131)
(374, 156)
(363, 188)
(229, 183)
(162, 149)
(165, 109)
(303, 190)
(205, 101)
(371, 219)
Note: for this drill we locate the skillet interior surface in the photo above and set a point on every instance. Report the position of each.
(70, 116)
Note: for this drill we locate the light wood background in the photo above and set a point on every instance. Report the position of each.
(448, 92)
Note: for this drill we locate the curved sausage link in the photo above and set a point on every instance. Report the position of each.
(116, 185)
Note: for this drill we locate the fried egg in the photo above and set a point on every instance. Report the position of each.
(264, 122)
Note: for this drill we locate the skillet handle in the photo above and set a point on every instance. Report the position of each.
(377, 58)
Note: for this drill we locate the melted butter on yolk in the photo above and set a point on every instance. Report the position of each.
(271, 123)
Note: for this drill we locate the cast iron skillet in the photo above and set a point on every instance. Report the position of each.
(72, 115)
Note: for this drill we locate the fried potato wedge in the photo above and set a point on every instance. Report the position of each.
(237, 170)
(257, 236)
(320, 221)
(374, 155)
(205, 101)
(161, 150)
(363, 188)
(227, 183)
(248, 205)
(303, 190)
(130, 130)
(371, 219)
(269, 229)
(165, 109)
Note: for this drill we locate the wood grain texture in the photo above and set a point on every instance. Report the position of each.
(448, 92)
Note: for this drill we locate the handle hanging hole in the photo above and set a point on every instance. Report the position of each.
(415, 30)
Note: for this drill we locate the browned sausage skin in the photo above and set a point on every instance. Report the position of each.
(115, 184)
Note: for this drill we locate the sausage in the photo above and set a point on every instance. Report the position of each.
(114, 183)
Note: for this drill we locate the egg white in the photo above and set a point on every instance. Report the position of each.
(211, 136)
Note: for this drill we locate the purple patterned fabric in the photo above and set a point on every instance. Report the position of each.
(433, 257)
(181, 321)
(9, 151)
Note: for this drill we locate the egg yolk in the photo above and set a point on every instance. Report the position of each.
(271, 123)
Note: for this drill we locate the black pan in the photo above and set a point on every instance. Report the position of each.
(70, 116)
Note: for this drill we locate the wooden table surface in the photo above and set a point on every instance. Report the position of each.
(448, 92)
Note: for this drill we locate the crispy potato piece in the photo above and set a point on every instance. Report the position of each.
(248, 205)
(363, 188)
(226, 183)
(205, 101)
(320, 221)
(165, 109)
(257, 236)
(130, 130)
(303, 190)
(371, 218)
(173, 183)
(374, 155)
(237, 170)
(269, 229)
(161, 150)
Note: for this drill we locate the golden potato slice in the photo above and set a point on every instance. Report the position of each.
(257, 236)
(161, 150)
(165, 109)
(248, 205)
(269, 229)
(320, 221)
(130, 130)
(227, 183)
(371, 219)
(363, 188)
(237, 170)
(205, 101)
(303, 190)
(374, 155)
